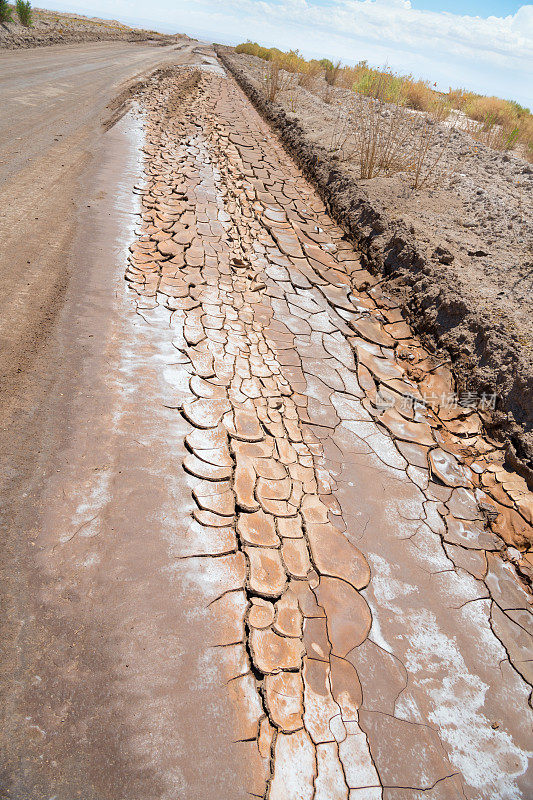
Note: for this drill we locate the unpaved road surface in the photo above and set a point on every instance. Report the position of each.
(241, 560)
(53, 104)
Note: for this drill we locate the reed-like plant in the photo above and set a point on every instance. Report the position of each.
(24, 12)
(6, 14)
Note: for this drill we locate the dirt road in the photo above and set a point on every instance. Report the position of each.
(245, 557)
(53, 104)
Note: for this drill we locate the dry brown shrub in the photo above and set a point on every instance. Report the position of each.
(332, 73)
(387, 137)
(275, 80)
(309, 73)
(419, 95)
(499, 112)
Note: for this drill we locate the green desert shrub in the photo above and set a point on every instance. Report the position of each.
(5, 12)
(501, 124)
(24, 12)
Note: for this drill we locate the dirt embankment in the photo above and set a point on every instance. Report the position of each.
(54, 27)
(477, 313)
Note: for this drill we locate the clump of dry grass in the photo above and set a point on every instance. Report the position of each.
(419, 95)
(275, 80)
(331, 71)
(382, 129)
(307, 76)
(384, 136)
(427, 146)
(500, 124)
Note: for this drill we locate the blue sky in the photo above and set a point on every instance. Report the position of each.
(480, 8)
(482, 46)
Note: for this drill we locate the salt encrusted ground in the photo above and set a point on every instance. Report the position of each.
(351, 544)
(458, 253)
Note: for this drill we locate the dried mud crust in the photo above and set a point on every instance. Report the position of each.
(55, 27)
(490, 352)
(283, 342)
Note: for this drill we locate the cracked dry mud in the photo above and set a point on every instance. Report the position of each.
(366, 568)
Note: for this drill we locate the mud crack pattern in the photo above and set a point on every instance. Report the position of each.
(286, 348)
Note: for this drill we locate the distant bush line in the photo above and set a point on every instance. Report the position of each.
(498, 123)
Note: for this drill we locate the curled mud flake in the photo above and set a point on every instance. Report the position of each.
(216, 456)
(215, 497)
(245, 426)
(261, 613)
(272, 652)
(370, 329)
(296, 557)
(417, 432)
(204, 413)
(447, 469)
(294, 767)
(206, 389)
(267, 575)
(290, 527)
(202, 469)
(467, 426)
(509, 526)
(415, 454)
(270, 468)
(320, 707)
(268, 489)
(314, 510)
(383, 369)
(244, 484)
(463, 504)
(247, 705)
(283, 694)
(169, 247)
(347, 613)
(257, 528)
(334, 555)
(209, 519)
(199, 440)
(345, 688)
(288, 615)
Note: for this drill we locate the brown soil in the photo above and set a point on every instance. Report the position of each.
(459, 253)
(228, 570)
(55, 27)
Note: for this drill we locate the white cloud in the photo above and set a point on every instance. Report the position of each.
(450, 48)
(396, 22)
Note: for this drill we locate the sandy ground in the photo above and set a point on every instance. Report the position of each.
(56, 27)
(462, 245)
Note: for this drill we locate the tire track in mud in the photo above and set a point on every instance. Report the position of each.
(287, 343)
